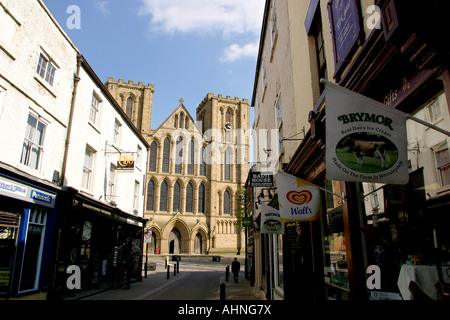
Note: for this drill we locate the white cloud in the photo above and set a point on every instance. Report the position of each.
(204, 16)
(102, 6)
(235, 52)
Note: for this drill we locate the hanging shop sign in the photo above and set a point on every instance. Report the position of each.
(261, 179)
(345, 28)
(125, 162)
(299, 200)
(365, 139)
(270, 220)
(247, 222)
(14, 189)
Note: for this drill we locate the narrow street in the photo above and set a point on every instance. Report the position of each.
(199, 278)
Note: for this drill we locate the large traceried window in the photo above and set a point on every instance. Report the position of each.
(176, 197)
(33, 144)
(189, 197)
(226, 202)
(201, 198)
(29, 279)
(153, 154)
(150, 195)
(163, 196)
(166, 155)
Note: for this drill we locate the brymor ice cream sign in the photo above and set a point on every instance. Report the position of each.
(365, 139)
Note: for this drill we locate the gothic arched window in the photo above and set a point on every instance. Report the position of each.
(153, 154)
(191, 157)
(176, 197)
(189, 197)
(226, 202)
(163, 196)
(179, 155)
(227, 165)
(201, 198)
(203, 162)
(150, 195)
(129, 109)
(166, 155)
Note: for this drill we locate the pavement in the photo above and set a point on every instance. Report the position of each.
(157, 280)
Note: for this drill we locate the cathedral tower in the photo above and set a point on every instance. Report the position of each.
(136, 100)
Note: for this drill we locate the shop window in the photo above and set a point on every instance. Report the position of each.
(443, 166)
(9, 224)
(33, 144)
(33, 250)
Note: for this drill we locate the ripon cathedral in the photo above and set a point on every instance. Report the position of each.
(196, 169)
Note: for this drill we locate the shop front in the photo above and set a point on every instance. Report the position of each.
(27, 217)
(101, 240)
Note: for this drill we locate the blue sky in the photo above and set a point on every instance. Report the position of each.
(187, 48)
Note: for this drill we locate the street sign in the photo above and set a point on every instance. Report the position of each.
(148, 237)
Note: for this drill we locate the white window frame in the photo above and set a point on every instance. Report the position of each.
(434, 108)
(443, 147)
(31, 140)
(137, 187)
(95, 109)
(46, 68)
(117, 133)
(112, 182)
(88, 170)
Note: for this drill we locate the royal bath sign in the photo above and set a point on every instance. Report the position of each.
(365, 139)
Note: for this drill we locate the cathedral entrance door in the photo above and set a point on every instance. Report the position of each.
(198, 244)
(174, 242)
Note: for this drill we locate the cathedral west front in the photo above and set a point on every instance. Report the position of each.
(196, 169)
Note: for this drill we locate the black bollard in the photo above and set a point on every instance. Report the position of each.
(222, 291)
(227, 273)
(178, 267)
(168, 271)
(174, 269)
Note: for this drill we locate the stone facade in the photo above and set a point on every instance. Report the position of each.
(191, 193)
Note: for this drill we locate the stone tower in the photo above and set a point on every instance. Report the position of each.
(136, 100)
(225, 124)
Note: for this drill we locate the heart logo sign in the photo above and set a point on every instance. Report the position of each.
(299, 197)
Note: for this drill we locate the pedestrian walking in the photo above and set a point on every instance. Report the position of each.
(235, 268)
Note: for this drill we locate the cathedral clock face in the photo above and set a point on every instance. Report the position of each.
(228, 126)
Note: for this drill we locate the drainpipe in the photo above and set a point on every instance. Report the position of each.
(76, 79)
